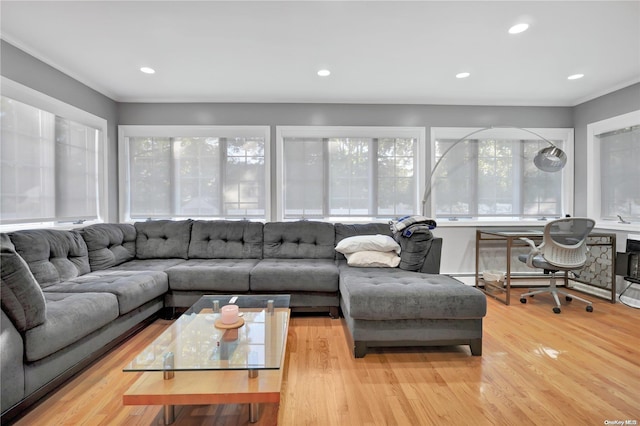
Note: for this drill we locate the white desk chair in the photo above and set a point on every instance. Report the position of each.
(563, 248)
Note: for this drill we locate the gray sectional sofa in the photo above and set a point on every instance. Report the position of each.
(70, 296)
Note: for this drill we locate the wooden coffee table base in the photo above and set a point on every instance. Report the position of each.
(206, 388)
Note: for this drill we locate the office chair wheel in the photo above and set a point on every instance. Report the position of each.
(523, 300)
(589, 308)
(568, 298)
(556, 310)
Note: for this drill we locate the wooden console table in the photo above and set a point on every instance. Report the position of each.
(599, 271)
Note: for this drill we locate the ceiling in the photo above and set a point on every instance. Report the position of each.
(387, 52)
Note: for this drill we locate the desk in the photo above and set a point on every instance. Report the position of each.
(599, 271)
(510, 238)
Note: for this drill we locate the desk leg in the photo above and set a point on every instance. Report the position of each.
(507, 278)
(478, 236)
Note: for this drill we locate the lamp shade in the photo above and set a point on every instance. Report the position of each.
(550, 159)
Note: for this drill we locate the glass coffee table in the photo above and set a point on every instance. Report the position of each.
(200, 361)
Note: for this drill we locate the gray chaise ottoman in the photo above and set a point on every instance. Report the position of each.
(392, 307)
(396, 307)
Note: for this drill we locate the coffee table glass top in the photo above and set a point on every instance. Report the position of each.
(194, 342)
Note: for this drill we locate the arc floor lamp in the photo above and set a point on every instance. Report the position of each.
(549, 159)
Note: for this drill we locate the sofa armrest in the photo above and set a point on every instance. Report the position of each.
(11, 366)
(431, 263)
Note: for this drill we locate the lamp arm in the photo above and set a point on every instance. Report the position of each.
(427, 189)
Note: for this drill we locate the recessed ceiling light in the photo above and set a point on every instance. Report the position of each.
(575, 76)
(463, 75)
(324, 73)
(148, 70)
(518, 28)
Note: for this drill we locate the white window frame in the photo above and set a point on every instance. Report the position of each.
(594, 207)
(283, 132)
(565, 134)
(127, 131)
(27, 95)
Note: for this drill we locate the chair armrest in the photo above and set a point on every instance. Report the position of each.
(529, 241)
(533, 253)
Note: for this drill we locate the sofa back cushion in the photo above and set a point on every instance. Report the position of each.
(163, 239)
(22, 299)
(225, 239)
(351, 230)
(53, 256)
(299, 240)
(415, 249)
(109, 244)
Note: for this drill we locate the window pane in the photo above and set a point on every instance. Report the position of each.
(541, 191)
(150, 173)
(27, 163)
(454, 194)
(244, 178)
(304, 177)
(396, 183)
(495, 178)
(199, 184)
(349, 177)
(76, 168)
(620, 174)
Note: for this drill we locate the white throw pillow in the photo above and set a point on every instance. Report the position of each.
(377, 242)
(373, 259)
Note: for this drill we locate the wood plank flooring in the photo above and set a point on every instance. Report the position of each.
(537, 368)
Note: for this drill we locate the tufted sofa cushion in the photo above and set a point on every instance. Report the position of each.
(299, 240)
(22, 299)
(389, 294)
(132, 288)
(212, 275)
(52, 255)
(70, 317)
(109, 244)
(224, 239)
(163, 239)
(295, 275)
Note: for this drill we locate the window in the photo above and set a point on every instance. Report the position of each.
(51, 161)
(613, 150)
(491, 174)
(348, 172)
(194, 171)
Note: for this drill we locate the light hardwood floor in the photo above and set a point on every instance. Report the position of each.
(537, 368)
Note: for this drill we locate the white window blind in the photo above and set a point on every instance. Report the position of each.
(76, 170)
(304, 177)
(613, 158)
(150, 168)
(49, 166)
(493, 176)
(620, 173)
(366, 173)
(194, 171)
